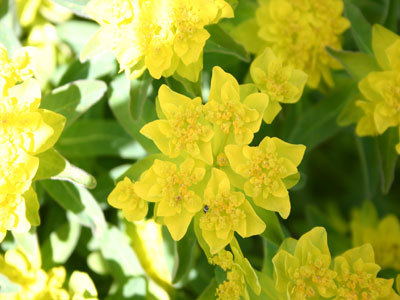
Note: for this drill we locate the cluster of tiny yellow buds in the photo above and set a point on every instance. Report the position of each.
(298, 32)
(163, 36)
(232, 288)
(223, 258)
(14, 70)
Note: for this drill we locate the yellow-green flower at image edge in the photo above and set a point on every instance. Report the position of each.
(25, 131)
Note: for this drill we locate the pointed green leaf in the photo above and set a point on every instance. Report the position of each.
(184, 255)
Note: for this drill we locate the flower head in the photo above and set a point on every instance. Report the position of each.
(174, 188)
(183, 128)
(265, 170)
(124, 197)
(228, 211)
(236, 111)
(383, 235)
(381, 90)
(301, 268)
(163, 36)
(357, 276)
(282, 83)
(16, 69)
(298, 32)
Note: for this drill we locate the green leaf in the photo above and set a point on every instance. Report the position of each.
(88, 138)
(119, 255)
(9, 26)
(60, 244)
(393, 15)
(361, 29)
(268, 290)
(270, 250)
(29, 244)
(138, 94)
(73, 99)
(318, 123)
(358, 64)
(184, 255)
(140, 166)
(387, 157)
(79, 201)
(222, 42)
(273, 231)
(351, 113)
(197, 230)
(134, 287)
(76, 6)
(119, 102)
(53, 165)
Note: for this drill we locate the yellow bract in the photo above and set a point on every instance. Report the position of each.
(183, 128)
(228, 211)
(124, 197)
(37, 284)
(381, 90)
(163, 36)
(266, 170)
(173, 188)
(25, 131)
(283, 84)
(356, 276)
(301, 268)
(298, 32)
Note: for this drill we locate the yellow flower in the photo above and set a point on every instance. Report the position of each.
(227, 211)
(383, 235)
(14, 70)
(25, 131)
(268, 171)
(357, 276)
(301, 268)
(163, 36)
(381, 90)
(298, 32)
(175, 189)
(37, 284)
(235, 111)
(183, 128)
(282, 83)
(124, 197)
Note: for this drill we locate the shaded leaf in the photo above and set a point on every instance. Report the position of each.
(184, 255)
(73, 99)
(361, 29)
(138, 94)
(140, 166)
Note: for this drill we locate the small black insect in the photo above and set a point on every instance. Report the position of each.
(205, 209)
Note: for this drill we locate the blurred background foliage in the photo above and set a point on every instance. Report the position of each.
(105, 112)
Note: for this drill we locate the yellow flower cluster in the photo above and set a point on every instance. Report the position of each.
(298, 32)
(36, 284)
(383, 235)
(381, 89)
(235, 285)
(25, 131)
(163, 36)
(208, 171)
(302, 270)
